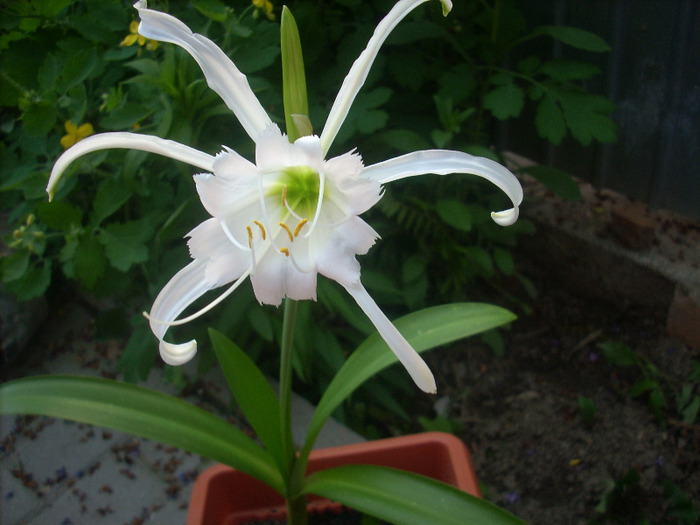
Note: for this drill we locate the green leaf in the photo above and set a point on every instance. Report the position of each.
(455, 213)
(618, 354)
(60, 215)
(253, 394)
(588, 116)
(142, 412)
(89, 261)
(404, 498)
(504, 261)
(549, 120)
(39, 118)
(505, 101)
(111, 195)
(556, 180)
(293, 76)
(690, 412)
(14, 266)
(33, 283)
(214, 9)
(139, 354)
(424, 330)
(78, 67)
(575, 37)
(564, 69)
(124, 244)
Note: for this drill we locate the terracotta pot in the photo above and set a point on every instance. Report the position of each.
(224, 496)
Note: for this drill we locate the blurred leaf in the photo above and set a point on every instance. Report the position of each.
(690, 412)
(39, 118)
(77, 68)
(618, 354)
(59, 215)
(14, 265)
(214, 9)
(575, 37)
(139, 353)
(111, 195)
(33, 283)
(455, 213)
(549, 120)
(504, 260)
(89, 261)
(125, 116)
(588, 116)
(566, 69)
(505, 101)
(125, 243)
(556, 180)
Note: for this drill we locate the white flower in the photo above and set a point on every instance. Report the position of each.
(292, 214)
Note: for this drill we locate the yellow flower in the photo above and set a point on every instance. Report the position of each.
(75, 134)
(266, 6)
(133, 37)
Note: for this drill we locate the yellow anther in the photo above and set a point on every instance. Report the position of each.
(262, 229)
(289, 232)
(300, 226)
(285, 251)
(250, 237)
(284, 196)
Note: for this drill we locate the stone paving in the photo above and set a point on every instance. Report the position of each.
(56, 472)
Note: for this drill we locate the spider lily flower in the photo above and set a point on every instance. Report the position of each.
(292, 214)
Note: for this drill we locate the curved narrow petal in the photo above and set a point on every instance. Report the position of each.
(221, 73)
(126, 140)
(183, 289)
(186, 286)
(414, 364)
(360, 69)
(443, 162)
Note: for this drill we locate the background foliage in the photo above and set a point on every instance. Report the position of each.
(116, 225)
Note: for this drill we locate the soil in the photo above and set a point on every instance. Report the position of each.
(550, 462)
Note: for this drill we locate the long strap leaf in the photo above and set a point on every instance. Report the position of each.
(425, 330)
(142, 412)
(404, 498)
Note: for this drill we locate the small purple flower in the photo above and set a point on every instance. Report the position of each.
(512, 496)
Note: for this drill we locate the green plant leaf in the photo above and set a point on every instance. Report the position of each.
(253, 394)
(505, 101)
(565, 69)
(575, 37)
(39, 118)
(425, 330)
(141, 412)
(404, 498)
(556, 180)
(455, 213)
(549, 120)
(125, 243)
(59, 215)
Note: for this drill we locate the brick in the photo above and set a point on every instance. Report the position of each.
(684, 318)
(633, 227)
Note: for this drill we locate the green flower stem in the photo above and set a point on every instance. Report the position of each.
(287, 344)
(296, 502)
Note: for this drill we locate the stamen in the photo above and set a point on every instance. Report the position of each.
(300, 226)
(262, 229)
(285, 251)
(284, 196)
(289, 232)
(250, 237)
(231, 238)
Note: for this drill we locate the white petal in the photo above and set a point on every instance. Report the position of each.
(220, 196)
(122, 139)
(443, 162)
(410, 359)
(360, 69)
(183, 289)
(225, 262)
(221, 73)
